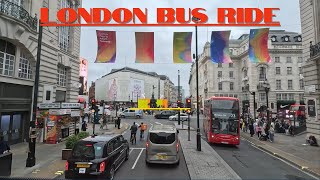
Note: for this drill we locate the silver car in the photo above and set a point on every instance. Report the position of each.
(163, 146)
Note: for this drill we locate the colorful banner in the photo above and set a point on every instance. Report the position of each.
(143, 103)
(182, 47)
(258, 46)
(83, 76)
(219, 47)
(162, 103)
(107, 47)
(144, 47)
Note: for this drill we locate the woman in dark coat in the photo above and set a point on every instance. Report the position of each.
(251, 127)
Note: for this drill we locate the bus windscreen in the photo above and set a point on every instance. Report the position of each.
(225, 104)
(225, 121)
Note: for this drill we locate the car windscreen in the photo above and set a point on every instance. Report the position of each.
(162, 138)
(88, 150)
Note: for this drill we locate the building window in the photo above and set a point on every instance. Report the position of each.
(231, 86)
(60, 96)
(219, 74)
(284, 97)
(289, 60)
(220, 86)
(300, 60)
(278, 96)
(278, 70)
(25, 70)
(290, 84)
(301, 84)
(230, 65)
(262, 74)
(262, 96)
(62, 76)
(45, 3)
(291, 96)
(220, 65)
(235, 96)
(300, 70)
(278, 84)
(289, 70)
(7, 58)
(301, 97)
(231, 74)
(64, 31)
(277, 59)
(48, 95)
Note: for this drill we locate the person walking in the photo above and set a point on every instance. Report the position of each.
(118, 122)
(271, 133)
(133, 136)
(84, 126)
(4, 147)
(251, 128)
(142, 127)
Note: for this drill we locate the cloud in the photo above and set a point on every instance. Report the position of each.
(289, 16)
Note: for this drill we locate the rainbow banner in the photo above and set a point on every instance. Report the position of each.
(144, 47)
(107, 47)
(258, 46)
(219, 47)
(182, 47)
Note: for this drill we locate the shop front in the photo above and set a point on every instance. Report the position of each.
(15, 106)
(59, 121)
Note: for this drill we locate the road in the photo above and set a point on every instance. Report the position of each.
(249, 162)
(136, 168)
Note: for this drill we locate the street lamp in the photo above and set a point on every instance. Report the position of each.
(267, 89)
(179, 100)
(195, 20)
(254, 102)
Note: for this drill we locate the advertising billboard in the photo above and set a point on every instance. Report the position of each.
(112, 93)
(83, 76)
(136, 88)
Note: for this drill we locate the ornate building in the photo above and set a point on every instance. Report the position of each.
(310, 21)
(59, 68)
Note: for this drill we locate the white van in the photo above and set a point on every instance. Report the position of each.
(163, 146)
(131, 113)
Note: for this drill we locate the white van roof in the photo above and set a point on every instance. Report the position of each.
(163, 128)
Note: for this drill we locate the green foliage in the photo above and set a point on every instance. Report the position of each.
(72, 140)
(83, 135)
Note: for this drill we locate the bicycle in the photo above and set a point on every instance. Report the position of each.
(133, 138)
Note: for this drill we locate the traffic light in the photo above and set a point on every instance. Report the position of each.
(93, 102)
(188, 103)
(179, 103)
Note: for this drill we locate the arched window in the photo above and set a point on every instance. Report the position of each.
(25, 69)
(7, 58)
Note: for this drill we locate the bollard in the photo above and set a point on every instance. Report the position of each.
(6, 164)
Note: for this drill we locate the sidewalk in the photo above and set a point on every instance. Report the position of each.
(291, 149)
(48, 156)
(204, 164)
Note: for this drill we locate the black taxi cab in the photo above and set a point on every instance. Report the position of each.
(97, 156)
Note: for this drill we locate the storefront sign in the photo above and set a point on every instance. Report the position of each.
(75, 113)
(70, 105)
(59, 111)
(312, 108)
(49, 105)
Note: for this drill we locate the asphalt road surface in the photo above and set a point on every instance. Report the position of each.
(136, 168)
(249, 162)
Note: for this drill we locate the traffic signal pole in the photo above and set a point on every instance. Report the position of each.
(179, 104)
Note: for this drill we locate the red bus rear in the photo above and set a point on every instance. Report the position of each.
(222, 120)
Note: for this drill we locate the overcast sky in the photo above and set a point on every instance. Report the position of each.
(289, 17)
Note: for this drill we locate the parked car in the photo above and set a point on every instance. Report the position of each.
(183, 117)
(131, 113)
(97, 156)
(165, 114)
(163, 146)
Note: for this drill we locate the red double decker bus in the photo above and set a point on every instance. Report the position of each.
(222, 120)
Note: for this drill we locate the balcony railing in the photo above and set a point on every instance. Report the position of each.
(314, 49)
(13, 10)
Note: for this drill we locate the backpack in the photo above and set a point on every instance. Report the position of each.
(134, 128)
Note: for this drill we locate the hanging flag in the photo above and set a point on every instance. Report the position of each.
(107, 47)
(182, 47)
(219, 47)
(258, 46)
(144, 47)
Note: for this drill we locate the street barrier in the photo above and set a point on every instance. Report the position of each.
(6, 164)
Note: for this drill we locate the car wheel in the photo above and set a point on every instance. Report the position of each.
(138, 116)
(127, 154)
(111, 173)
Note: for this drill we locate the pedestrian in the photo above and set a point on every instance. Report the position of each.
(271, 133)
(4, 147)
(251, 129)
(259, 130)
(84, 126)
(118, 122)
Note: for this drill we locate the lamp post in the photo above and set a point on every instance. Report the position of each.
(179, 100)
(267, 89)
(31, 160)
(197, 87)
(254, 102)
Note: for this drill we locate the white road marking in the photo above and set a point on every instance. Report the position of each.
(138, 148)
(158, 123)
(130, 151)
(135, 163)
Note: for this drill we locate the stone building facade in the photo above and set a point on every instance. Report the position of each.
(310, 22)
(59, 71)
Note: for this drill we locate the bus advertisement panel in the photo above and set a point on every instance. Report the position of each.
(222, 122)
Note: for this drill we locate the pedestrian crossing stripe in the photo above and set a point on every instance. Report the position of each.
(35, 171)
(59, 172)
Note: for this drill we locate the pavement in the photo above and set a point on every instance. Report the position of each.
(291, 149)
(49, 167)
(204, 164)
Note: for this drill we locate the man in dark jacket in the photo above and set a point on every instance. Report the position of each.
(3, 145)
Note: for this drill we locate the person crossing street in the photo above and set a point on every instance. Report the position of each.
(142, 127)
